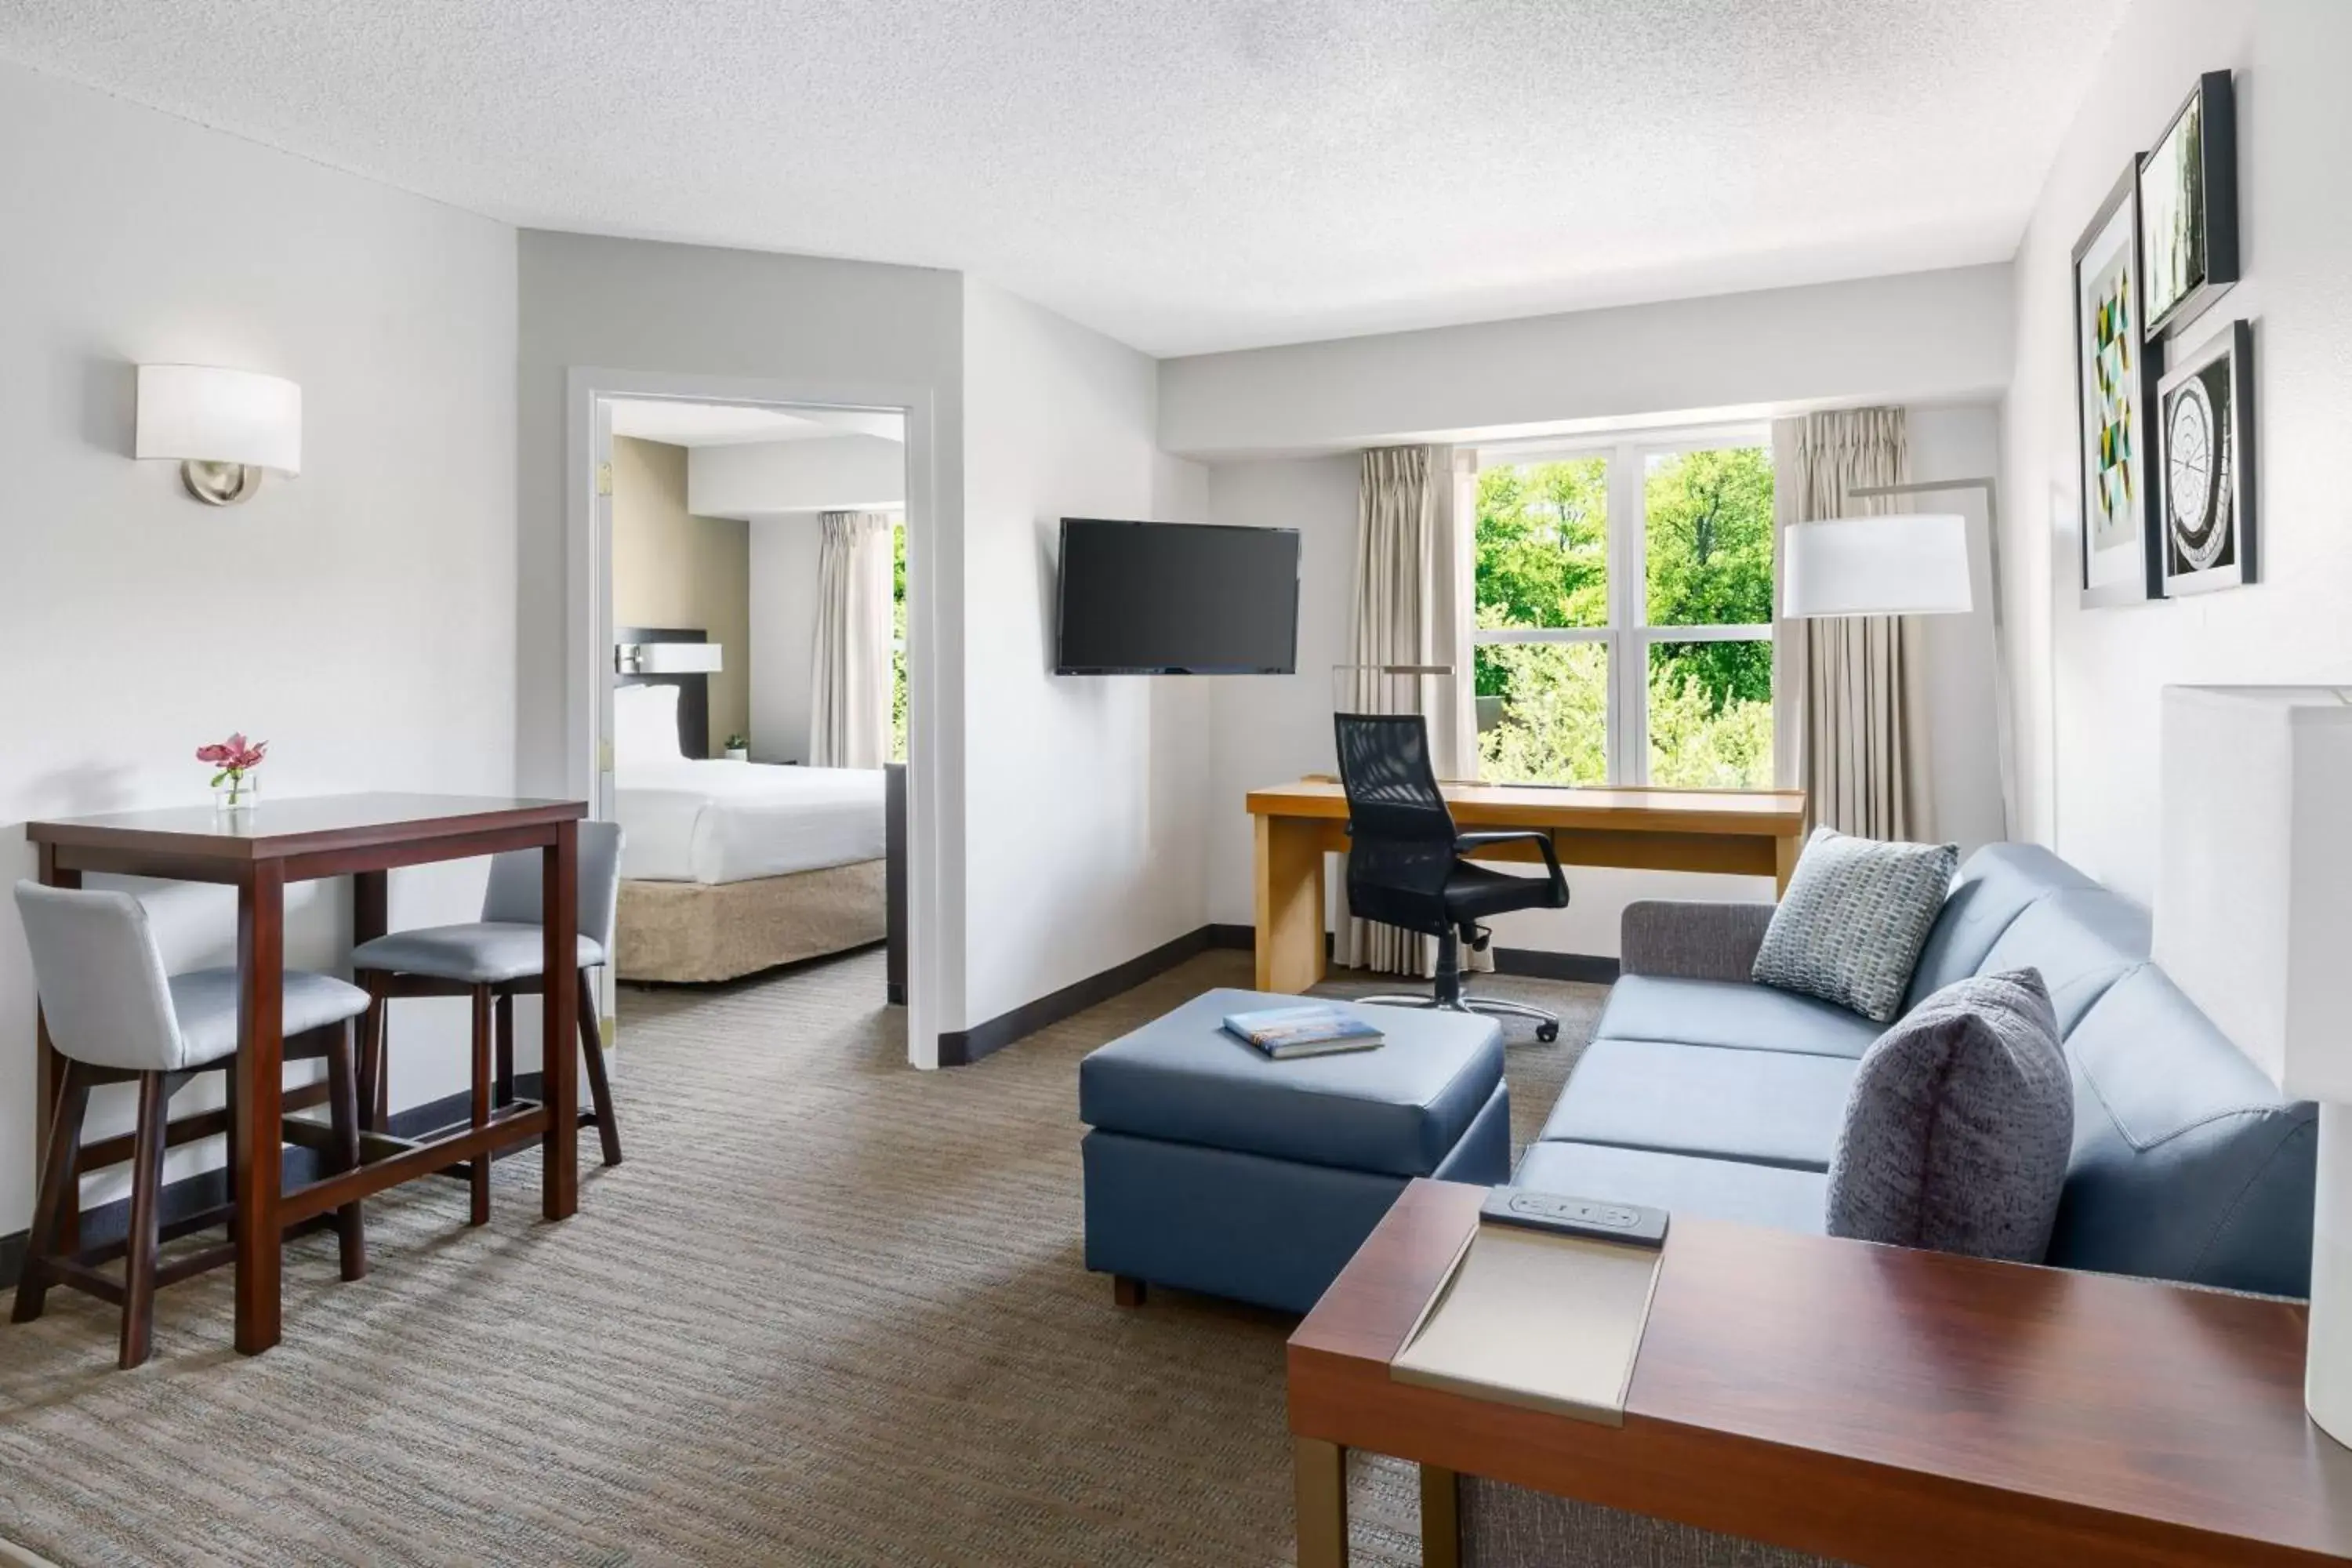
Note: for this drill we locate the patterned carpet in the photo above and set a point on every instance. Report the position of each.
(831, 1311)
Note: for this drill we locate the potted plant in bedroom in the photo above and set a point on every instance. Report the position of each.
(236, 757)
(739, 748)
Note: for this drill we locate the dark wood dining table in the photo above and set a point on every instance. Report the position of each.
(366, 837)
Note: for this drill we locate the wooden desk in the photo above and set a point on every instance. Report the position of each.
(1751, 833)
(1871, 1405)
(362, 837)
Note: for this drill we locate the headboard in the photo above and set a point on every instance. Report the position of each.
(693, 690)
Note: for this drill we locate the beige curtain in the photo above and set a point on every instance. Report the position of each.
(1408, 537)
(849, 706)
(1857, 745)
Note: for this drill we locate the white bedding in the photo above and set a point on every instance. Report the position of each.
(713, 822)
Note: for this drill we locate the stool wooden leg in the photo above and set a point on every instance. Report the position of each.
(375, 1096)
(481, 1163)
(1440, 1518)
(146, 1202)
(60, 1189)
(503, 1094)
(343, 1111)
(1320, 1478)
(600, 1087)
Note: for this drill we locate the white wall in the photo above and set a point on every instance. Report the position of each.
(361, 617)
(2087, 685)
(634, 305)
(1269, 728)
(1917, 337)
(1084, 796)
(784, 635)
(838, 473)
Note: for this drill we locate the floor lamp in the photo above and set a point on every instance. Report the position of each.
(1902, 564)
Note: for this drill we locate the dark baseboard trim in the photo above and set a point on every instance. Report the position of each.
(1540, 964)
(209, 1189)
(1535, 963)
(962, 1047)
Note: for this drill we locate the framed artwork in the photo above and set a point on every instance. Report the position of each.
(2188, 207)
(2116, 373)
(2205, 411)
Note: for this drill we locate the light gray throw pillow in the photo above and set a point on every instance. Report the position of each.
(1958, 1125)
(1850, 927)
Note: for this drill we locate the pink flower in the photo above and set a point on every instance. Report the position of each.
(233, 755)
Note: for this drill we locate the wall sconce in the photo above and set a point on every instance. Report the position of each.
(667, 659)
(224, 425)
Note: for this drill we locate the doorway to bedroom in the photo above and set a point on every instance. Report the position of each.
(758, 727)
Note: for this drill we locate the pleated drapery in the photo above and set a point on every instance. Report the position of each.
(1859, 750)
(849, 707)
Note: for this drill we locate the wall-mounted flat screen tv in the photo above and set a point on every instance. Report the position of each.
(1177, 598)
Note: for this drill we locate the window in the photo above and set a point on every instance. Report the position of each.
(1624, 614)
(898, 640)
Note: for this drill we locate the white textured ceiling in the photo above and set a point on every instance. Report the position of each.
(1183, 174)
(683, 424)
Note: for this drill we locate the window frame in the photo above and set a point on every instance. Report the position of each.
(1628, 634)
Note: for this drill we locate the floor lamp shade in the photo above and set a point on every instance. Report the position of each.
(1906, 564)
(2253, 921)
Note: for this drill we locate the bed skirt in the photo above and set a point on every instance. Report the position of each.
(695, 931)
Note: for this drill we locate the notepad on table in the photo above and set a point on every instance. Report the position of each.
(1530, 1318)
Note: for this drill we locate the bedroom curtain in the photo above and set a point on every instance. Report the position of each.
(849, 707)
(1407, 538)
(1859, 739)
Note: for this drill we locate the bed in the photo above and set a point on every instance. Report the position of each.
(730, 867)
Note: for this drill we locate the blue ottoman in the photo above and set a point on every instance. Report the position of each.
(1210, 1168)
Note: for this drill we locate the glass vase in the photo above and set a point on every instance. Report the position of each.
(236, 797)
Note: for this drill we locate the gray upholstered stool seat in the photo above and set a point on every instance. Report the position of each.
(483, 953)
(206, 1002)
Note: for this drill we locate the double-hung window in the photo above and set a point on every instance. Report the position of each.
(1624, 612)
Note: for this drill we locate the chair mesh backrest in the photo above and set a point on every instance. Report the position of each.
(100, 977)
(1400, 834)
(513, 892)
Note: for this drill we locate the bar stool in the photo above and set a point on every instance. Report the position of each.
(493, 961)
(115, 1017)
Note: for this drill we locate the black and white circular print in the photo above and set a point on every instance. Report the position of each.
(2196, 464)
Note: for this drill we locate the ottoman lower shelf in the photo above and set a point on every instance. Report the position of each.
(1250, 1226)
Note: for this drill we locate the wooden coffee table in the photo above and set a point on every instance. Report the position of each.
(1867, 1403)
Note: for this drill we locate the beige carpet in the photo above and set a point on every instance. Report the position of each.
(831, 1311)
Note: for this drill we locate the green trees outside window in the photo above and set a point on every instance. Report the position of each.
(1704, 557)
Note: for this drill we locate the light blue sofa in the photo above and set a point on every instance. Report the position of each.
(1703, 1093)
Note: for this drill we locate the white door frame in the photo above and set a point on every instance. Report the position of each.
(588, 618)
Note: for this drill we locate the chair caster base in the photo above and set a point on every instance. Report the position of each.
(1548, 1033)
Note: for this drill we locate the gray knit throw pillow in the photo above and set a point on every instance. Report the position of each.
(1958, 1125)
(1850, 927)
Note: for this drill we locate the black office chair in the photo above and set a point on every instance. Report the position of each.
(1407, 865)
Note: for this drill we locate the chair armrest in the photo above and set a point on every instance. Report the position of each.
(1690, 939)
(1466, 842)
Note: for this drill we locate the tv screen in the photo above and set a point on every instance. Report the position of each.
(1177, 598)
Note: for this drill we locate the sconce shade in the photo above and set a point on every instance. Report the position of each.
(200, 414)
(1904, 564)
(667, 658)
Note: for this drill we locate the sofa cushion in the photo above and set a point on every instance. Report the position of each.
(1958, 1125)
(2187, 1164)
(1771, 1107)
(1738, 1013)
(1399, 1109)
(2079, 940)
(1849, 928)
(1996, 885)
(1732, 1190)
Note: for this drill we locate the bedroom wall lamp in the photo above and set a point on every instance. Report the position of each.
(226, 428)
(667, 657)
